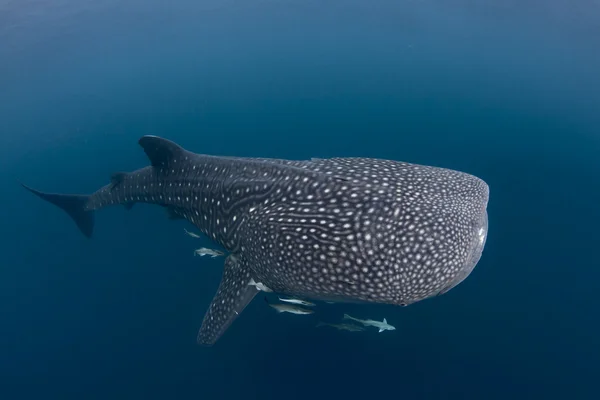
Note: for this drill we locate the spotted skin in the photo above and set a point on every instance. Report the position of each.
(391, 232)
(232, 297)
(343, 229)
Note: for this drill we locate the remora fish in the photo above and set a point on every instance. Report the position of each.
(192, 234)
(281, 308)
(297, 301)
(342, 327)
(382, 326)
(204, 251)
(340, 229)
(259, 286)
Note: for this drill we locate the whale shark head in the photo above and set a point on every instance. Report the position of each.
(439, 233)
(480, 229)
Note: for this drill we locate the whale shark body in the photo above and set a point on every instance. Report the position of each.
(339, 229)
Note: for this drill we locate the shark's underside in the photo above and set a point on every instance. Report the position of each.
(344, 229)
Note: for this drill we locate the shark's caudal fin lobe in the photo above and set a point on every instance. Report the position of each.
(231, 298)
(72, 204)
(346, 316)
(161, 152)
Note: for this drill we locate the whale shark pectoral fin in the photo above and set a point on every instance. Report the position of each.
(161, 152)
(232, 297)
(381, 330)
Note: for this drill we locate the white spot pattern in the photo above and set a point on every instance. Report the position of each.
(344, 228)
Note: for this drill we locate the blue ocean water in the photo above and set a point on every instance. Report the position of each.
(507, 91)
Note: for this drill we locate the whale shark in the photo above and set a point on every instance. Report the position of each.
(354, 230)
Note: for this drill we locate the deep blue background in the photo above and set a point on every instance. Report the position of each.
(504, 90)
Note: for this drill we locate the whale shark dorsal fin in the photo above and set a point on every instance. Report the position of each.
(384, 321)
(231, 298)
(161, 152)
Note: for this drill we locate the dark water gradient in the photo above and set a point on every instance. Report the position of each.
(504, 90)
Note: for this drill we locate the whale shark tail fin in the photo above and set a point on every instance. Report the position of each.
(72, 204)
